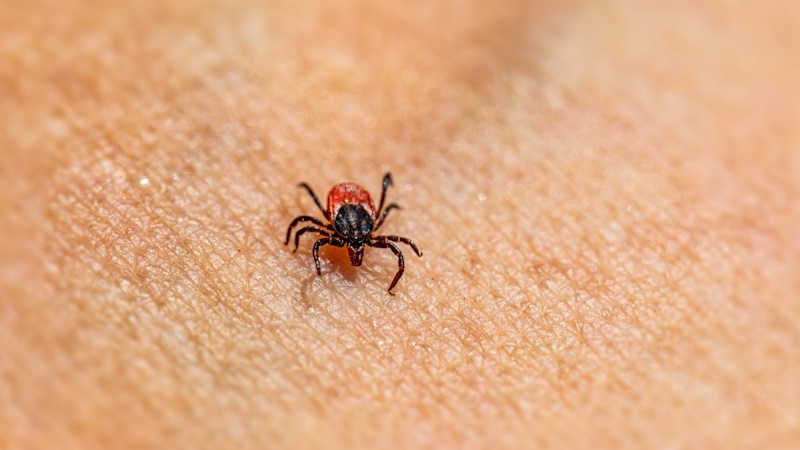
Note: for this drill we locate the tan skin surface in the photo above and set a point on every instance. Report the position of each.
(605, 193)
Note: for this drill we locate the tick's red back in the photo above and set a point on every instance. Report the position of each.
(348, 193)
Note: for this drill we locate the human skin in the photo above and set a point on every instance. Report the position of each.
(606, 195)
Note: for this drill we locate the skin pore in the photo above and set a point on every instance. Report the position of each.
(605, 194)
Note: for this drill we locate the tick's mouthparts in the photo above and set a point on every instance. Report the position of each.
(356, 255)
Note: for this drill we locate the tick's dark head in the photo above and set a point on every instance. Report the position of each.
(353, 222)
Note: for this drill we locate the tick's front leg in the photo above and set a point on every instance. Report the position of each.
(400, 263)
(325, 241)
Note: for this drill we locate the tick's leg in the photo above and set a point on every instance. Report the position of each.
(385, 213)
(400, 264)
(294, 223)
(403, 240)
(316, 200)
(324, 241)
(306, 229)
(387, 181)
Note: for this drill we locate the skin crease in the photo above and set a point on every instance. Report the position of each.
(606, 195)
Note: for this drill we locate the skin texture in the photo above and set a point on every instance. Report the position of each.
(606, 194)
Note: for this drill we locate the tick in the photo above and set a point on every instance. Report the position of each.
(352, 222)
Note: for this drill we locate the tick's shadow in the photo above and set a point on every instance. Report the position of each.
(333, 261)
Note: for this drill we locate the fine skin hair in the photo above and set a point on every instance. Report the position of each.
(606, 194)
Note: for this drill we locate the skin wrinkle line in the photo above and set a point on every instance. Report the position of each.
(118, 254)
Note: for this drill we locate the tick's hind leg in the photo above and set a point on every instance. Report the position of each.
(387, 181)
(324, 241)
(316, 200)
(400, 239)
(385, 213)
(400, 263)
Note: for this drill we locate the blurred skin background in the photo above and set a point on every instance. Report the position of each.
(606, 194)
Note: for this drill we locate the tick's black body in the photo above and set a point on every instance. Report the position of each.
(352, 221)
